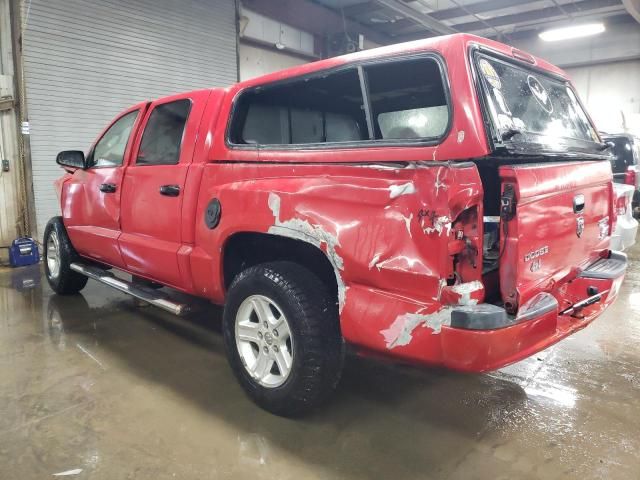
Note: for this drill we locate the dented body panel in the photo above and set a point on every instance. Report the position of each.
(400, 225)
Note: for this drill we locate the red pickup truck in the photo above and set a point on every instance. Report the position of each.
(446, 201)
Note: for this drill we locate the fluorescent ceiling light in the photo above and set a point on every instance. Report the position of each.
(576, 31)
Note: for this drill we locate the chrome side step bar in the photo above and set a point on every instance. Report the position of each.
(151, 296)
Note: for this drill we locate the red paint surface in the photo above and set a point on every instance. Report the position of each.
(546, 218)
(393, 255)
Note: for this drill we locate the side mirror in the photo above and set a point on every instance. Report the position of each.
(71, 158)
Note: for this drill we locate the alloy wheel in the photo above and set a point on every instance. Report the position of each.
(53, 255)
(264, 341)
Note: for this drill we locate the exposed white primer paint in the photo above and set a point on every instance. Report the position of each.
(314, 234)
(440, 224)
(439, 183)
(436, 320)
(465, 290)
(461, 136)
(75, 471)
(374, 260)
(435, 150)
(407, 223)
(404, 189)
(400, 332)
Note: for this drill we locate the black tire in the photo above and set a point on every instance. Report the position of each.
(317, 345)
(65, 281)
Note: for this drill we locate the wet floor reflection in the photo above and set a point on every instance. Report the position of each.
(94, 382)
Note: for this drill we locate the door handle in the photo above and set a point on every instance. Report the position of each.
(170, 190)
(108, 187)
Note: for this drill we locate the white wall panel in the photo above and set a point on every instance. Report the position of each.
(611, 93)
(256, 61)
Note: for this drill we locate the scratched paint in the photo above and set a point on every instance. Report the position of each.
(314, 234)
(374, 261)
(407, 223)
(400, 332)
(441, 224)
(439, 183)
(396, 191)
(465, 290)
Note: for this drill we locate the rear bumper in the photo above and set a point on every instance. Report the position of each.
(483, 350)
(435, 335)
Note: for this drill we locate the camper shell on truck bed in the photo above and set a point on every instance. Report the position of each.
(444, 201)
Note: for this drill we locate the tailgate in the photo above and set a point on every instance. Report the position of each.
(561, 222)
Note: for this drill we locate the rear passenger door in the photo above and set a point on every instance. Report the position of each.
(154, 187)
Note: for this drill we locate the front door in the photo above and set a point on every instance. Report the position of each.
(154, 187)
(91, 208)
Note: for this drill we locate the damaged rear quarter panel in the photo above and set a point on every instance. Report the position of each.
(384, 229)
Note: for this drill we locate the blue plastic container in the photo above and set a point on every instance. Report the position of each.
(23, 251)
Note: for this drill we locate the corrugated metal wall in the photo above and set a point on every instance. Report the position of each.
(86, 60)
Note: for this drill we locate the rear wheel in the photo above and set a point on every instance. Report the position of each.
(282, 336)
(59, 254)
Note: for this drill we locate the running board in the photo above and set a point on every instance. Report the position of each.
(153, 297)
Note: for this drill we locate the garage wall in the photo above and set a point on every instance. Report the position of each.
(259, 38)
(86, 60)
(611, 92)
(256, 61)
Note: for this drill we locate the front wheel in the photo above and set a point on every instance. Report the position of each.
(59, 254)
(282, 337)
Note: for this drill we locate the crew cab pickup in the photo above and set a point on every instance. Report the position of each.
(443, 202)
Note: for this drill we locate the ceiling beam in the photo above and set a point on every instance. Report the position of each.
(475, 8)
(394, 28)
(611, 22)
(312, 18)
(361, 8)
(423, 19)
(542, 14)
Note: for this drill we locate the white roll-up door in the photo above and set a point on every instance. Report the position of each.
(86, 60)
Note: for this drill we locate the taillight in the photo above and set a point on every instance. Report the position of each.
(631, 177)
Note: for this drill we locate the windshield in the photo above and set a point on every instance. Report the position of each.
(527, 106)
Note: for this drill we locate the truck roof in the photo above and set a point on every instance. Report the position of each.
(449, 46)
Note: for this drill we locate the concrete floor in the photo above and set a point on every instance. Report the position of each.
(96, 384)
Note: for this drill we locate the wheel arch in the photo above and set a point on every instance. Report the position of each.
(245, 249)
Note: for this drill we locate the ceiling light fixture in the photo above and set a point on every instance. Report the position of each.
(575, 31)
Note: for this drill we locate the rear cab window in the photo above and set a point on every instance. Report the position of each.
(533, 110)
(408, 100)
(390, 101)
(162, 137)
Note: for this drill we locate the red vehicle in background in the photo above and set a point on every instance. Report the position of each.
(445, 202)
